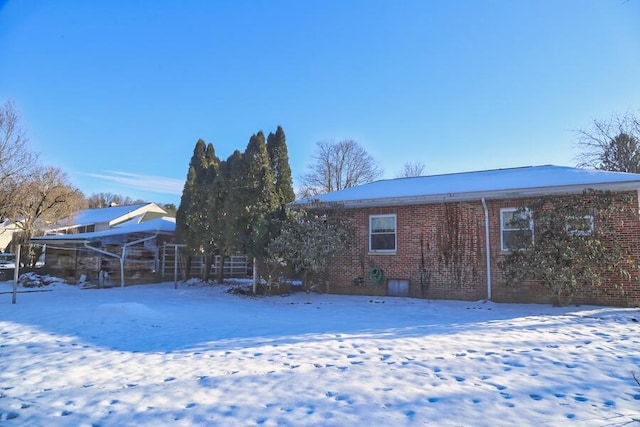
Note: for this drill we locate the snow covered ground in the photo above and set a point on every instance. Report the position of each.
(151, 355)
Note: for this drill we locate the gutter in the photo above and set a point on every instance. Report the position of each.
(487, 246)
(471, 195)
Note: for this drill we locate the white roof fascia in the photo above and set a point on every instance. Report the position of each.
(62, 241)
(488, 195)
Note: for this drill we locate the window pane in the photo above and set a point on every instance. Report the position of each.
(383, 242)
(516, 226)
(516, 239)
(383, 224)
(516, 220)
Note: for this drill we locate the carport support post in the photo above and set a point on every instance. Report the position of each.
(255, 275)
(175, 267)
(16, 274)
(122, 257)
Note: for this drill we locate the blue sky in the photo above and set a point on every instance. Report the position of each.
(116, 93)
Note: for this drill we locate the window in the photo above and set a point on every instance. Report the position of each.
(87, 228)
(516, 228)
(579, 225)
(382, 233)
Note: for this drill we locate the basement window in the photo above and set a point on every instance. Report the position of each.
(516, 229)
(382, 233)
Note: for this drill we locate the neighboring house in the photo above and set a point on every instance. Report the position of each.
(98, 219)
(109, 246)
(7, 228)
(443, 236)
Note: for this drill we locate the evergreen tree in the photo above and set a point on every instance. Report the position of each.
(234, 205)
(279, 161)
(232, 213)
(192, 219)
(206, 236)
(220, 205)
(260, 197)
(261, 200)
(183, 222)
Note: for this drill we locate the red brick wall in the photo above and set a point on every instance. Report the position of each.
(441, 252)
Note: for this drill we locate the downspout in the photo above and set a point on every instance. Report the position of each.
(487, 247)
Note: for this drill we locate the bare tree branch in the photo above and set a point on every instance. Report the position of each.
(16, 160)
(410, 169)
(103, 200)
(339, 165)
(612, 144)
(45, 198)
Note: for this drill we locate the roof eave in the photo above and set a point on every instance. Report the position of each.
(87, 238)
(487, 195)
(44, 240)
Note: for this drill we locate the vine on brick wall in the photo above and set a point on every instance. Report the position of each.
(458, 248)
(577, 244)
(425, 274)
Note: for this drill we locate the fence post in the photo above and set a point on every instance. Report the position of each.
(16, 274)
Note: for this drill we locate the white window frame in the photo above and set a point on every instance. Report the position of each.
(395, 233)
(503, 228)
(576, 232)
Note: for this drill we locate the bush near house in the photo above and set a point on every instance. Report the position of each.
(575, 244)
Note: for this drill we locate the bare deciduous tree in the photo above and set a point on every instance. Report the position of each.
(339, 165)
(411, 169)
(104, 200)
(15, 157)
(31, 195)
(612, 145)
(43, 199)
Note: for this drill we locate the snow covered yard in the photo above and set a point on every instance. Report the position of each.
(152, 355)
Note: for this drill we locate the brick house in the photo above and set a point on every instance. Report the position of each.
(443, 236)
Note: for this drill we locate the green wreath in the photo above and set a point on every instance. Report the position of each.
(376, 275)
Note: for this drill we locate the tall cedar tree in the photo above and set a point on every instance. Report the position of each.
(192, 220)
(279, 161)
(260, 199)
(208, 242)
(232, 206)
(222, 222)
(232, 195)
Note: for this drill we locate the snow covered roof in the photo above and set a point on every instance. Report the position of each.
(157, 225)
(111, 215)
(498, 183)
